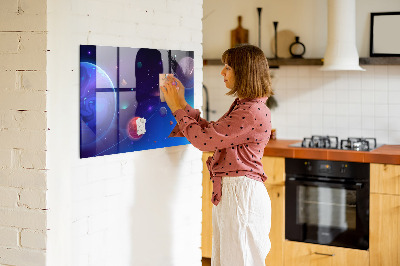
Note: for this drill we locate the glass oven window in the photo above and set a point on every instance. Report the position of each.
(326, 207)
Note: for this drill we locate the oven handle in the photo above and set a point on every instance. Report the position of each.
(357, 185)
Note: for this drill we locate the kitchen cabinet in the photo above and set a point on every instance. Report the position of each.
(274, 168)
(206, 225)
(384, 245)
(305, 254)
(385, 178)
(277, 233)
(384, 221)
(385, 215)
(385, 230)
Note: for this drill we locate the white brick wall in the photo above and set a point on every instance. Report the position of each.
(23, 178)
(34, 239)
(9, 197)
(11, 256)
(9, 237)
(23, 132)
(140, 208)
(100, 209)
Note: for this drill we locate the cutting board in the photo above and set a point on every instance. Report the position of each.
(239, 35)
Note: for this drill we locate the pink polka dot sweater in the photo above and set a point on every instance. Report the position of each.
(238, 139)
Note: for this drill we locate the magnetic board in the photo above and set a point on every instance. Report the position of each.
(121, 107)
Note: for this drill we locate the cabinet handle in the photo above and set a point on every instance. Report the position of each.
(324, 254)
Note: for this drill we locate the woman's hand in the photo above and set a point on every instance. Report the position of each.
(174, 93)
(181, 91)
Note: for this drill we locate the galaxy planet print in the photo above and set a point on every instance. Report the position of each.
(122, 108)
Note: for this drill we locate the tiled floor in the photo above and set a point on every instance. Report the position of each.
(206, 261)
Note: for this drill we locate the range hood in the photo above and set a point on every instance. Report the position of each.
(341, 51)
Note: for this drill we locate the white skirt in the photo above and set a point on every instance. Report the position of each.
(241, 223)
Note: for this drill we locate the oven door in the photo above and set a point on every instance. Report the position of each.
(327, 213)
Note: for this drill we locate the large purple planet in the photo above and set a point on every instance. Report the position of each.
(185, 72)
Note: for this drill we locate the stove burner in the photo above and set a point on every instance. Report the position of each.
(332, 142)
(328, 142)
(358, 144)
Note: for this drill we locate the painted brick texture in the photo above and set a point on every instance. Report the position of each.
(140, 208)
(113, 210)
(9, 237)
(33, 239)
(23, 125)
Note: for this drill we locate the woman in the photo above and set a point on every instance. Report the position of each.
(242, 208)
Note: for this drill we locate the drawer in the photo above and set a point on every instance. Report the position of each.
(298, 253)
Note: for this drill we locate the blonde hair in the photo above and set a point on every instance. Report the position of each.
(250, 66)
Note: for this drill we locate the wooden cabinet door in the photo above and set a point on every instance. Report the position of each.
(385, 178)
(277, 233)
(206, 225)
(384, 237)
(274, 168)
(304, 254)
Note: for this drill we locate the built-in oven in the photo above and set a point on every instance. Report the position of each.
(327, 202)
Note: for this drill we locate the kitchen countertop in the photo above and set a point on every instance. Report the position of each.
(389, 154)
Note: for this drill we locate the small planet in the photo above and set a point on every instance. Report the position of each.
(163, 111)
(133, 129)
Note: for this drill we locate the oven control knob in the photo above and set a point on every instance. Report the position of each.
(308, 166)
(343, 168)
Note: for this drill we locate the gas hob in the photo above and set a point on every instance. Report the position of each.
(332, 142)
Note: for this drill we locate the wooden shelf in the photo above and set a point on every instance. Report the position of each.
(294, 62)
(380, 61)
(273, 63)
(212, 62)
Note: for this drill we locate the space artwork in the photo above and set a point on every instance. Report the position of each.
(121, 106)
